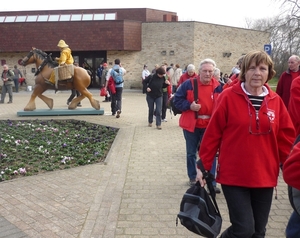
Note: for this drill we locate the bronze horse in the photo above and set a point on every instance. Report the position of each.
(45, 66)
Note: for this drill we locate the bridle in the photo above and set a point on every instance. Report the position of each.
(47, 59)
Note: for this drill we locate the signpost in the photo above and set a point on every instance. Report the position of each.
(268, 49)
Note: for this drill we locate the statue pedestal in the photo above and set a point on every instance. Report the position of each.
(61, 112)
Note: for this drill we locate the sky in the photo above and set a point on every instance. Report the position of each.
(224, 12)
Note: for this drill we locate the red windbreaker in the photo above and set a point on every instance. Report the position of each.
(291, 168)
(249, 153)
(294, 103)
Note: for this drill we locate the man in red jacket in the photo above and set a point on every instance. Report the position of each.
(286, 78)
(196, 114)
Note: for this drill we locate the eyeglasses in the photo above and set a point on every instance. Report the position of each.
(260, 130)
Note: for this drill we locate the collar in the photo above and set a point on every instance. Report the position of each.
(264, 89)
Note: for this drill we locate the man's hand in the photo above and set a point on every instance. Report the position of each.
(195, 107)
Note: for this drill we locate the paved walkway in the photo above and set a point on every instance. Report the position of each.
(136, 193)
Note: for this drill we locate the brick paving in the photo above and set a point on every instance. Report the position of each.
(135, 193)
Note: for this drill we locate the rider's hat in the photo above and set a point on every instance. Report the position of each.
(62, 44)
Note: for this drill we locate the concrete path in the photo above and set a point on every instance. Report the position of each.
(136, 193)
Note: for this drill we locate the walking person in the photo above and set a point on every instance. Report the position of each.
(7, 79)
(176, 77)
(286, 79)
(253, 132)
(117, 72)
(155, 85)
(196, 114)
(103, 82)
(18, 75)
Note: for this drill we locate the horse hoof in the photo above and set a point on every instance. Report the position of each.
(96, 104)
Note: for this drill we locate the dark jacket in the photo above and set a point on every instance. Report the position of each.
(156, 84)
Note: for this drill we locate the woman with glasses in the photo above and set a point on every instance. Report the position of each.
(254, 134)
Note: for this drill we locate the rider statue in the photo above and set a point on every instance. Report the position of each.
(65, 58)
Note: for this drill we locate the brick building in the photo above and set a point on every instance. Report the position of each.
(137, 36)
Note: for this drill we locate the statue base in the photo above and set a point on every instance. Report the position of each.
(61, 112)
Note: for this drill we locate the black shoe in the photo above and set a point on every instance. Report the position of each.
(79, 105)
(118, 114)
(217, 190)
(68, 102)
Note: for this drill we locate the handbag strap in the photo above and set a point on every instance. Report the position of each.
(195, 90)
(209, 179)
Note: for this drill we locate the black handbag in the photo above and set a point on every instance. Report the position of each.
(199, 211)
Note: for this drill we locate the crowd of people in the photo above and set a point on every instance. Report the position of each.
(240, 130)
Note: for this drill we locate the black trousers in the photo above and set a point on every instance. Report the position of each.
(74, 93)
(249, 210)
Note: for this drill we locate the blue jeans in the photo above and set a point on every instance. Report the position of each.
(16, 82)
(158, 107)
(213, 171)
(249, 210)
(192, 141)
(164, 105)
(293, 226)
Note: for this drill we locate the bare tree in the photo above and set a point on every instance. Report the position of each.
(284, 32)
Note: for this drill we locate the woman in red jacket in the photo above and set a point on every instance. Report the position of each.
(254, 134)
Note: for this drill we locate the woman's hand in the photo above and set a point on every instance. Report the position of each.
(148, 89)
(199, 178)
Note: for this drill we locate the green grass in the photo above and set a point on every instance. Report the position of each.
(273, 83)
(37, 146)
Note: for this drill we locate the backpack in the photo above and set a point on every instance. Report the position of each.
(173, 108)
(117, 74)
(199, 212)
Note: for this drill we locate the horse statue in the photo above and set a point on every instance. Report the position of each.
(45, 67)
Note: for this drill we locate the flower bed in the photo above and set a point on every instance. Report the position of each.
(36, 146)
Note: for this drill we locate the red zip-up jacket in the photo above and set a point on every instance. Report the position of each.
(294, 103)
(245, 159)
(291, 168)
(183, 98)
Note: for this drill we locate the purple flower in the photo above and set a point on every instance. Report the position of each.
(22, 171)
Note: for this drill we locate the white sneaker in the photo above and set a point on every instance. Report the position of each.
(164, 120)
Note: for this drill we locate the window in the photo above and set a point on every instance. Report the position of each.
(21, 18)
(65, 18)
(31, 18)
(110, 16)
(10, 19)
(87, 17)
(53, 18)
(76, 17)
(98, 17)
(43, 18)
